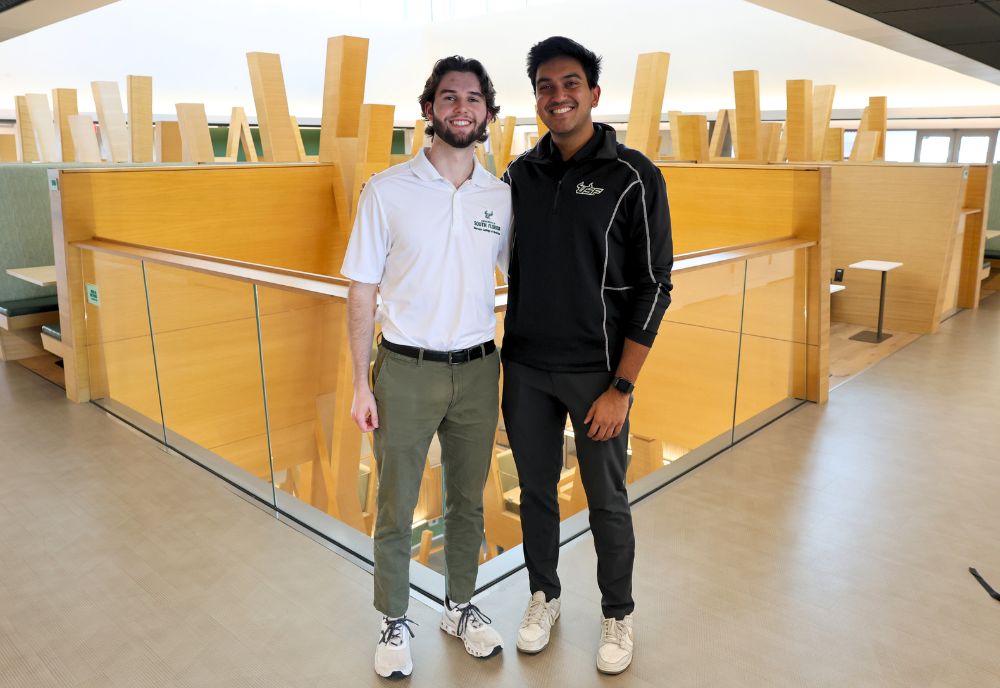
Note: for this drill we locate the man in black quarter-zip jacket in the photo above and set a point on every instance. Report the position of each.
(589, 283)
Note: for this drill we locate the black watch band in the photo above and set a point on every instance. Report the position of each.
(622, 385)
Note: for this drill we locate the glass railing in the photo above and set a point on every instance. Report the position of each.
(248, 373)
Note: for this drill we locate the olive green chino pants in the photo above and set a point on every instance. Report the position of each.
(415, 399)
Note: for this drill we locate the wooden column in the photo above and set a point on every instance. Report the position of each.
(822, 110)
(42, 126)
(83, 138)
(693, 136)
(167, 142)
(111, 118)
(799, 122)
(26, 136)
(239, 134)
(746, 83)
(643, 132)
(63, 107)
(139, 91)
(343, 92)
(196, 141)
(273, 119)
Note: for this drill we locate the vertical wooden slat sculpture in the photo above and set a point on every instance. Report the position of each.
(675, 129)
(63, 107)
(167, 142)
(643, 132)
(42, 126)
(822, 111)
(799, 124)
(770, 141)
(273, 119)
(196, 141)
(719, 131)
(878, 122)
(865, 146)
(239, 134)
(343, 92)
(542, 129)
(83, 138)
(746, 83)
(374, 145)
(418, 137)
(693, 136)
(25, 134)
(8, 148)
(833, 147)
(111, 119)
(506, 143)
(298, 138)
(139, 91)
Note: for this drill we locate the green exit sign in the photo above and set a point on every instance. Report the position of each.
(93, 296)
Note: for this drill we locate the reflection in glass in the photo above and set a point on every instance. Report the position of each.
(122, 374)
(208, 362)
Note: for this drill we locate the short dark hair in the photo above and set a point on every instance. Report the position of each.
(457, 63)
(560, 46)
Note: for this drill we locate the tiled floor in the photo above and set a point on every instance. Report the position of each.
(829, 549)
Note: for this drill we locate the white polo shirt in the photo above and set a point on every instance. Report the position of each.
(432, 250)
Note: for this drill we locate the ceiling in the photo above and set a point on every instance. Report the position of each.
(19, 17)
(971, 28)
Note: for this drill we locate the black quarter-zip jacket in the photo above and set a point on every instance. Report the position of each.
(591, 258)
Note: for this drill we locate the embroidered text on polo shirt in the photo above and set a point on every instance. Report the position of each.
(487, 224)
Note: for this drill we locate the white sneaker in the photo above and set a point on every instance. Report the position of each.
(536, 624)
(465, 621)
(392, 653)
(615, 652)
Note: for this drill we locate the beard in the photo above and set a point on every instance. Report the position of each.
(454, 140)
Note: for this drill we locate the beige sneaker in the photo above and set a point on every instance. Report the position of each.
(615, 652)
(536, 624)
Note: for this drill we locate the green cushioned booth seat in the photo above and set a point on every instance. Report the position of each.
(53, 331)
(41, 304)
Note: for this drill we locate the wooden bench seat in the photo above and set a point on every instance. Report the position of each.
(21, 314)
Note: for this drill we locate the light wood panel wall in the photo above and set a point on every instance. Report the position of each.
(749, 147)
(903, 213)
(139, 91)
(643, 133)
(713, 206)
(799, 124)
(273, 119)
(975, 210)
(111, 118)
(64, 106)
(275, 215)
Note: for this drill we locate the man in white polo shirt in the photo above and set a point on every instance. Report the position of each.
(428, 235)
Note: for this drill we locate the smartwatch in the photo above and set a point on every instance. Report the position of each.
(622, 385)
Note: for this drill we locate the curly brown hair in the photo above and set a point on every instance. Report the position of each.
(457, 63)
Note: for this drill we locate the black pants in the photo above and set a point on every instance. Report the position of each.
(535, 405)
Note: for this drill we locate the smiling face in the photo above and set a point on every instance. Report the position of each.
(458, 113)
(563, 98)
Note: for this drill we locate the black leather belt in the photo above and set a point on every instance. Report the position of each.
(453, 357)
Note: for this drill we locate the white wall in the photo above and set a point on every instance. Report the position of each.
(195, 51)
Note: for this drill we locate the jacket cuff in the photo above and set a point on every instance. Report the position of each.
(640, 336)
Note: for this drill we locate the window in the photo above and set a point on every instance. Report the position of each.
(973, 149)
(935, 148)
(849, 136)
(900, 145)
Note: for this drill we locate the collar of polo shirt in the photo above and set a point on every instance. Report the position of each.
(424, 169)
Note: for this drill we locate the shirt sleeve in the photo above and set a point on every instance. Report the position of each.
(652, 248)
(368, 247)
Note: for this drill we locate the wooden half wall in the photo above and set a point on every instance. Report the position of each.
(901, 213)
(282, 216)
(717, 206)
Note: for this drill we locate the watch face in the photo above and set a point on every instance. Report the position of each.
(623, 385)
